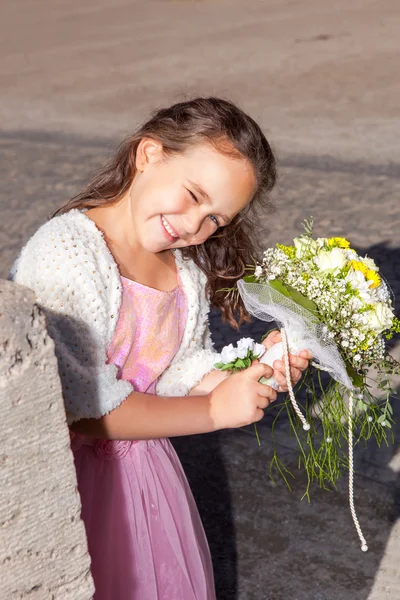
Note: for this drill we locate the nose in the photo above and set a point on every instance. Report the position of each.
(192, 223)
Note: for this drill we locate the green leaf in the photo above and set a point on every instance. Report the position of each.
(389, 408)
(355, 377)
(297, 297)
(239, 363)
(219, 365)
(227, 367)
(268, 332)
(381, 419)
(250, 279)
(362, 406)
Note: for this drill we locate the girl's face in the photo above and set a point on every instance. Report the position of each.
(181, 200)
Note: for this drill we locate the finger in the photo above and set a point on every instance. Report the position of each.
(279, 369)
(272, 338)
(305, 354)
(259, 415)
(280, 377)
(297, 361)
(266, 391)
(258, 370)
(263, 403)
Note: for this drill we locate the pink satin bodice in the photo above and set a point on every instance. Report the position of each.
(148, 333)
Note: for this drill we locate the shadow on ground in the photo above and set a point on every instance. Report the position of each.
(213, 461)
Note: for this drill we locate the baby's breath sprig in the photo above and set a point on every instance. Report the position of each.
(308, 226)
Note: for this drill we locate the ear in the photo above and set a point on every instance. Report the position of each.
(148, 152)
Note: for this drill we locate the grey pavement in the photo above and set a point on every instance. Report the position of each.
(266, 543)
(322, 80)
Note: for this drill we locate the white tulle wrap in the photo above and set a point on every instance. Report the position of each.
(304, 331)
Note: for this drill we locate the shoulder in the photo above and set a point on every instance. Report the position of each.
(189, 272)
(69, 244)
(70, 268)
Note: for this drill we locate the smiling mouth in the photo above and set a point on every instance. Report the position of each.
(168, 228)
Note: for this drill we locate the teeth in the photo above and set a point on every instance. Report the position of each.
(168, 228)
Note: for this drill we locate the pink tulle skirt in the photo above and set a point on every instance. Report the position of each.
(145, 536)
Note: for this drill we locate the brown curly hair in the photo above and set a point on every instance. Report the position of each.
(223, 256)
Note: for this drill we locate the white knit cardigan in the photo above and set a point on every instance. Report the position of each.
(69, 266)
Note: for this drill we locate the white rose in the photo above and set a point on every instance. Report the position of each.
(241, 352)
(304, 246)
(351, 255)
(380, 318)
(359, 283)
(370, 263)
(328, 260)
(228, 354)
(258, 350)
(245, 344)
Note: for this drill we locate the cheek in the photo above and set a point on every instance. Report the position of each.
(207, 230)
(171, 202)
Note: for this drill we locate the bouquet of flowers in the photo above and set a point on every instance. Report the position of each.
(334, 303)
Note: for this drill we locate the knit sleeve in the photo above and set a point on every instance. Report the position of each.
(183, 375)
(64, 271)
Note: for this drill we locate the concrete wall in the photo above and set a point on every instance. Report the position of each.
(43, 548)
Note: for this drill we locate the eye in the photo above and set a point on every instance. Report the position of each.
(214, 219)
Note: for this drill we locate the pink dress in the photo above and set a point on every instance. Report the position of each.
(145, 536)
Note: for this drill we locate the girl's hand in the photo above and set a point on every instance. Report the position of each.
(240, 399)
(298, 364)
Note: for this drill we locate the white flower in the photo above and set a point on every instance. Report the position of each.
(380, 318)
(355, 303)
(304, 246)
(351, 255)
(359, 283)
(241, 352)
(259, 350)
(330, 259)
(228, 354)
(370, 263)
(246, 343)
(258, 271)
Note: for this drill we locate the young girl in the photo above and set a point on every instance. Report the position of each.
(125, 273)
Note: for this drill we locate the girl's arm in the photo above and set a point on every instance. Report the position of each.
(145, 416)
(237, 401)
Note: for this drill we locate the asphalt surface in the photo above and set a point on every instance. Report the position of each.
(266, 543)
(322, 80)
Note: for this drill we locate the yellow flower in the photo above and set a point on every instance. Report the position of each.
(374, 277)
(339, 242)
(357, 265)
(290, 251)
